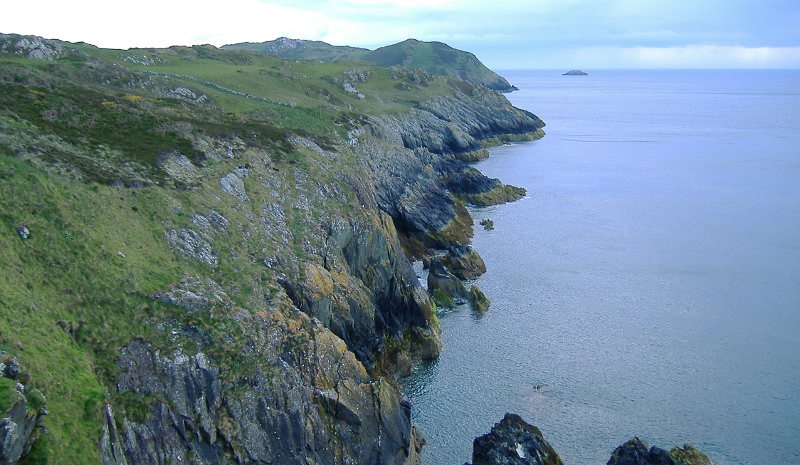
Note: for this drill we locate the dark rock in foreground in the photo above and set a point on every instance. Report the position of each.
(512, 441)
(575, 72)
(636, 452)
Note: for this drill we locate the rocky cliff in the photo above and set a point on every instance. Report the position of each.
(217, 245)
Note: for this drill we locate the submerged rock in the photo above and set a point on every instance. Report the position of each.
(480, 303)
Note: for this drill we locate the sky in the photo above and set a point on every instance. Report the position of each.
(507, 34)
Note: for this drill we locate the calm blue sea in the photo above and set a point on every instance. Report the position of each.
(648, 285)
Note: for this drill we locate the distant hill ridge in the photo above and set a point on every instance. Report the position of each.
(436, 58)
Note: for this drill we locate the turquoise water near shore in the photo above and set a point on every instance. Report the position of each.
(648, 285)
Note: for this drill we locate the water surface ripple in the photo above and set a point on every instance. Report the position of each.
(648, 285)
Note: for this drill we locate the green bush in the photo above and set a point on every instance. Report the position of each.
(35, 400)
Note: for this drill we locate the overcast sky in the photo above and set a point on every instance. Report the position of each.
(505, 34)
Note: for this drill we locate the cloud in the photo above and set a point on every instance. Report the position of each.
(691, 56)
(512, 33)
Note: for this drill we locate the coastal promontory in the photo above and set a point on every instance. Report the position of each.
(207, 252)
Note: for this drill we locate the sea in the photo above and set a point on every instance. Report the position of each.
(647, 286)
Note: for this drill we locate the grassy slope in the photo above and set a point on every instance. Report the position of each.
(71, 269)
(436, 58)
(433, 57)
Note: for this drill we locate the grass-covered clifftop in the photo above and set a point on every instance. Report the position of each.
(436, 58)
(203, 249)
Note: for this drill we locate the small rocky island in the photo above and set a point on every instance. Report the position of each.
(575, 72)
(512, 441)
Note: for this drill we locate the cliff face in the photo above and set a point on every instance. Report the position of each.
(418, 163)
(217, 244)
(307, 400)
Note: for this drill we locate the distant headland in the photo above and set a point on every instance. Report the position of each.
(575, 72)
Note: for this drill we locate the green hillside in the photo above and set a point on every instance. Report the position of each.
(435, 58)
(438, 59)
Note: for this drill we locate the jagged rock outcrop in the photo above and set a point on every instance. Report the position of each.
(637, 452)
(110, 444)
(480, 303)
(22, 411)
(36, 48)
(308, 399)
(414, 162)
(477, 189)
(457, 124)
(441, 280)
(464, 262)
(512, 441)
(365, 289)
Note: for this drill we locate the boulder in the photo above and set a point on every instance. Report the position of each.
(480, 303)
(192, 244)
(23, 232)
(233, 185)
(512, 441)
(464, 262)
(637, 452)
(442, 280)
